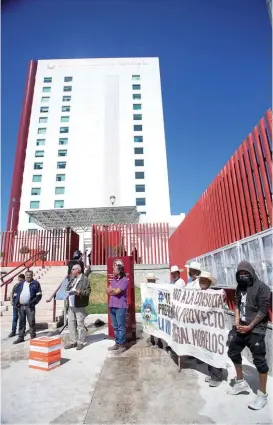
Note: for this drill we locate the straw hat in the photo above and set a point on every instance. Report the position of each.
(151, 276)
(193, 265)
(176, 269)
(208, 276)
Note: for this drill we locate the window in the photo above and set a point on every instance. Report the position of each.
(34, 204)
(139, 162)
(64, 129)
(137, 117)
(63, 141)
(68, 79)
(140, 187)
(37, 178)
(39, 154)
(66, 98)
(48, 80)
(66, 108)
(60, 177)
(43, 120)
(61, 164)
(137, 127)
(135, 77)
(136, 106)
(58, 204)
(136, 87)
(59, 190)
(38, 165)
(140, 202)
(40, 142)
(136, 96)
(36, 191)
(46, 89)
(64, 119)
(138, 151)
(62, 152)
(31, 220)
(67, 88)
(41, 130)
(139, 175)
(142, 212)
(45, 99)
(138, 139)
(44, 109)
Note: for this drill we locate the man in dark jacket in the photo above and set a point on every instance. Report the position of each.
(78, 298)
(26, 296)
(15, 314)
(252, 304)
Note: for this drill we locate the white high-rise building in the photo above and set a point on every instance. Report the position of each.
(96, 130)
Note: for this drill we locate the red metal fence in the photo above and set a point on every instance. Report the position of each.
(17, 246)
(147, 243)
(237, 204)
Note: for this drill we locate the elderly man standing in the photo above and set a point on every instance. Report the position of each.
(78, 298)
(176, 278)
(194, 271)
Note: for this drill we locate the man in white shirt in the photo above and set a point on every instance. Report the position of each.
(175, 273)
(194, 270)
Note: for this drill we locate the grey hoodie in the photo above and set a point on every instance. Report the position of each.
(257, 298)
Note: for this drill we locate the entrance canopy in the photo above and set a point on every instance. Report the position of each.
(83, 218)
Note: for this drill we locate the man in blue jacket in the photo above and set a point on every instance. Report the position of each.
(27, 295)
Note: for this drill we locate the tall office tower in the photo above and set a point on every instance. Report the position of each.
(91, 130)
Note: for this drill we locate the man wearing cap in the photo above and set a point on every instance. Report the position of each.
(194, 270)
(175, 273)
(206, 280)
(151, 278)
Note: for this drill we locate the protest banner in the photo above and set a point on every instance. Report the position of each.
(192, 322)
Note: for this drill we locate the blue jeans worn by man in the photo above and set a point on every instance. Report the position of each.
(118, 318)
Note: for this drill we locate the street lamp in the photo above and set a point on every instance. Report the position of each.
(112, 199)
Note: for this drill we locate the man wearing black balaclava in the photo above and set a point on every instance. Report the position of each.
(252, 302)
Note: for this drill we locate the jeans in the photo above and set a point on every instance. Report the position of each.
(118, 318)
(76, 316)
(26, 312)
(15, 317)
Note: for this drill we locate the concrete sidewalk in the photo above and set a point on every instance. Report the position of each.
(143, 386)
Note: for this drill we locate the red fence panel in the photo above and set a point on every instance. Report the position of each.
(237, 204)
(17, 246)
(146, 243)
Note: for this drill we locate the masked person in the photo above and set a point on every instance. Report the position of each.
(252, 302)
(176, 278)
(194, 270)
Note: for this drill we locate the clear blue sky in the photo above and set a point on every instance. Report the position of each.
(215, 58)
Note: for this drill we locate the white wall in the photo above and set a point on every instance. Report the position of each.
(100, 160)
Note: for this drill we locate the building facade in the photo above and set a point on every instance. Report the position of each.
(95, 131)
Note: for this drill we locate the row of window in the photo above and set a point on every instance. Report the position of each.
(45, 109)
(45, 99)
(42, 130)
(41, 154)
(37, 178)
(36, 191)
(36, 204)
(40, 165)
(62, 141)
(47, 89)
(44, 120)
(66, 79)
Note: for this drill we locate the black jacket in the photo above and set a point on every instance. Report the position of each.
(83, 286)
(257, 299)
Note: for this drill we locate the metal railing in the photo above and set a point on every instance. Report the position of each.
(25, 265)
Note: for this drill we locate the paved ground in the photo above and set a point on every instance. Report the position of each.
(143, 386)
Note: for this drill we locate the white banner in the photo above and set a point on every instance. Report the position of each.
(192, 322)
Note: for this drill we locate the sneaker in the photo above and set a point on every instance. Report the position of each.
(121, 349)
(113, 348)
(79, 347)
(17, 341)
(214, 382)
(239, 387)
(12, 334)
(259, 401)
(208, 379)
(71, 345)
